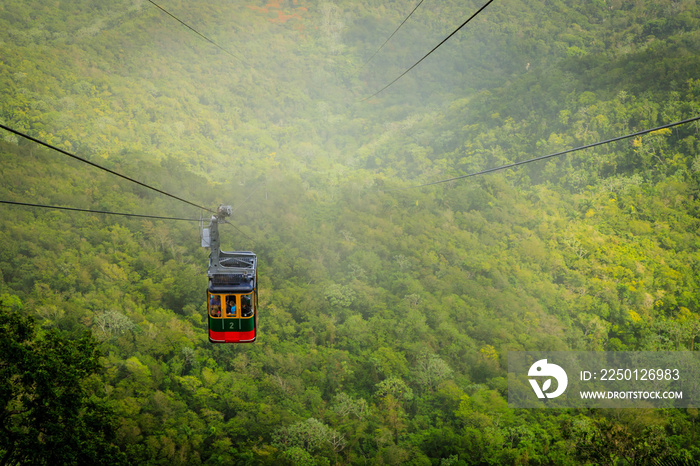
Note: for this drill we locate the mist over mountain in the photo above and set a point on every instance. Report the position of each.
(387, 310)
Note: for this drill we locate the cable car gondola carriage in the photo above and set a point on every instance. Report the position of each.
(232, 293)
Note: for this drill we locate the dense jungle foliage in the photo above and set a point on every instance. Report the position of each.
(386, 315)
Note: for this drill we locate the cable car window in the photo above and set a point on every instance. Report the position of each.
(247, 305)
(215, 305)
(231, 306)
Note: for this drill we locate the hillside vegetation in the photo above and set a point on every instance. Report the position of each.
(386, 314)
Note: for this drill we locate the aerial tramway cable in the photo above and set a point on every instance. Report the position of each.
(434, 49)
(46, 144)
(197, 32)
(556, 154)
(74, 209)
(393, 33)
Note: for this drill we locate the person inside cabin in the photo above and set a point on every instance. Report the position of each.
(215, 305)
(246, 308)
(231, 306)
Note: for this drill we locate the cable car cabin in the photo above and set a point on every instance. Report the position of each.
(233, 300)
(232, 294)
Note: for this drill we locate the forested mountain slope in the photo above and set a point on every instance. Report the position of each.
(386, 314)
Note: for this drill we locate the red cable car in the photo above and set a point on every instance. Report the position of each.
(232, 294)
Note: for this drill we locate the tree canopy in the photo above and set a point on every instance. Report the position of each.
(386, 314)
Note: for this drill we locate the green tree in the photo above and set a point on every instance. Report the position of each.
(47, 413)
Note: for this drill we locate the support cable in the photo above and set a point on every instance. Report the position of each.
(197, 32)
(46, 144)
(426, 55)
(43, 206)
(392, 34)
(556, 154)
(247, 198)
(238, 230)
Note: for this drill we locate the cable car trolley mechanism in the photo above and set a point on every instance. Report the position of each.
(232, 294)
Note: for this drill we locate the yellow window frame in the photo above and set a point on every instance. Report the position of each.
(223, 299)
